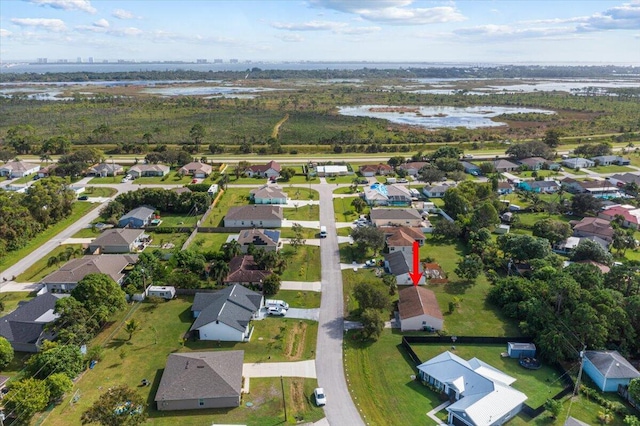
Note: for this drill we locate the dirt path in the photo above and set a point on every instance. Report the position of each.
(276, 128)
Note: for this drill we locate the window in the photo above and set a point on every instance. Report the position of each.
(201, 402)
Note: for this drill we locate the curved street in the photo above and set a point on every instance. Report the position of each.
(340, 409)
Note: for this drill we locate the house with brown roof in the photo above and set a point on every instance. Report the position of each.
(419, 310)
(105, 169)
(270, 170)
(18, 169)
(67, 277)
(196, 169)
(502, 166)
(245, 271)
(396, 217)
(593, 226)
(370, 170)
(148, 170)
(268, 194)
(401, 238)
(263, 216)
(266, 239)
(47, 170)
(201, 380)
(119, 240)
(412, 168)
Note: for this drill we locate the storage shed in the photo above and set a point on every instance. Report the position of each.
(165, 292)
(518, 350)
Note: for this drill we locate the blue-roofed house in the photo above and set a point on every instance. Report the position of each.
(226, 314)
(137, 218)
(471, 168)
(545, 186)
(608, 369)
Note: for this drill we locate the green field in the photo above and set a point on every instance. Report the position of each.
(309, 212)
(299, 299)
(161, 333)
(79, 210)
(11, 299)
(303, 265)
(173, 178)
(205, 241)
(344, 211)
(178, 220)
(231, 197)
(42, 268)
(95, 191)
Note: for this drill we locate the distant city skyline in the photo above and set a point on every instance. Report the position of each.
(492, 31)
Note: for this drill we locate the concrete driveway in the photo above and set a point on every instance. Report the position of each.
(308, 314)
(277, 369)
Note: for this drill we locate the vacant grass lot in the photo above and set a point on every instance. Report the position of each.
(307, 233)
(350, 279)
(309, 212)
(41, 268)
(474, 316)
(341, 179)
(205, 241)
(345, 190)
(161, 333)
(299, 193)
(172, 219)
(160, 239)
(538, 385)
(302, 265)
(344, 211)
(106, 180)
(379, 379)
(231, 197)
(86, 233)
(612, 169)
(79, 210)
(95, 191)
(173, 178)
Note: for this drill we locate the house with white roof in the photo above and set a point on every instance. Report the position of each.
(333, 170)
(18, 169)
(578, 163)
(481, 394)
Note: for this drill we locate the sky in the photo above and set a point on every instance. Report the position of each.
(471, 31)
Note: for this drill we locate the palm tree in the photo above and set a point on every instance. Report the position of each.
(45, 158)
(52, 260)
(131, 327)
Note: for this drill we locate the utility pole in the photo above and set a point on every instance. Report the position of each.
(577, 387)
(284, 400)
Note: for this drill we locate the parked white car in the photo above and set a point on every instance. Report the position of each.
(320, 397)
(275, 311)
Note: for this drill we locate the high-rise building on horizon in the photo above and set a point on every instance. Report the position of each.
(42, 60)
(90, 59)
(217, 61)
(201, 61)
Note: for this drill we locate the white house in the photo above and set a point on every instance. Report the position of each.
(396, 217)
(332, 170)
(436, 191)
(481, 394)
(226, 314)
(418, 309)
(18, 169)
(578, 163)
(268, 194)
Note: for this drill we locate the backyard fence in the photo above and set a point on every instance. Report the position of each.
(566, 380)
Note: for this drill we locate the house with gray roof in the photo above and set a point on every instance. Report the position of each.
(266, 239)
(137, 218)
(119, 240)
(480, 394)
(578, 163)
(606, 160)
(268, 194)
(400, 264)
(263, 216)
(226, 314)
(105, 169)
(502, 166)
(18, 169)
(437, 190)
(25, 328)
(396, 217)
(412, 168)
(379, 194)
(67, 277)
(201, 380)
(471, 168)
(608, 369)
(148, 170)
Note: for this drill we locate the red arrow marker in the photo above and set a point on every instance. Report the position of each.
(416, 275)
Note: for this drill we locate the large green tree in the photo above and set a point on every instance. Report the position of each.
(6, 352)
(25, 398)
(372, 323)
(553, 230)
(56, 358)
(100, 295)
(49, 200)
(58, 384)
(469, 267)
(370, 296)
(368, 237)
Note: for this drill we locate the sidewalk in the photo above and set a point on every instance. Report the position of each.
(432, 414)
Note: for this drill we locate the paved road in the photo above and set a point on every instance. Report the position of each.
(329, 361)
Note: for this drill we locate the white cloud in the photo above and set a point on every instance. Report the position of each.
(122, 14)
(624, 17)
(55, 25)
(291, 38)
(82, 5)
(508, 32)
(4, 33)
(309, 26)
(359, 30)
(393, 12)
(102, 23)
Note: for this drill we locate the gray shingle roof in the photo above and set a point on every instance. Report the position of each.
(255, 212)
(233, 306)
(259, 237)
(76, 269)
(377, 214)
(268, 191)
(201, 375)
(27, 322)
(612, 365)
(400, 262)
(141, 213)
(118, 236)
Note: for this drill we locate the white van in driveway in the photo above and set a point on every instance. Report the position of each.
(323, 232)
(274, 303)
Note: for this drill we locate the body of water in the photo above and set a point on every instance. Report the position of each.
(434, 117)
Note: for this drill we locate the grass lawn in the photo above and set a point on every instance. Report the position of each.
(11, 299)
(344, 232)
(379, 379)
(344, 190)
(349, 280)
(106, 180)
(542, 173)
(344, 211)
(93, 191)
(173, 178)
(307, 233)
(232, 197)
(612, 169)
(303, 265)
(171, 219)
(299, 299)
(350, 253)
(160, 239)
(161, 333)
(341, 179)
(310, 212)
(474, 316)
(531, 218)
(79, 210)
(86, 233)
(300, 178)
(39, 270)
(538, 385)
(247, 180)
(205, 241)
(298, 193)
